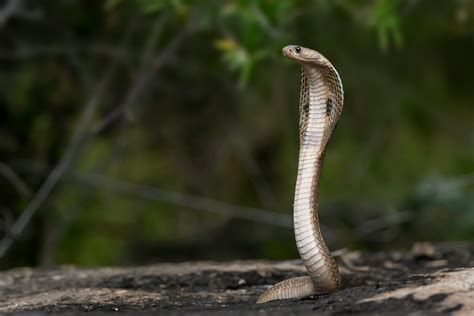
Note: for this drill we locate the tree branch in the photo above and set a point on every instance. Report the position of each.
(153, 193)
(147, 73)
(15, 8)
(8, 173)
(78, 139)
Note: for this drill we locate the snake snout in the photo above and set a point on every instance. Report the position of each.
(291, 50)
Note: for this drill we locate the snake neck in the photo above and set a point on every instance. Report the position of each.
(314, 136)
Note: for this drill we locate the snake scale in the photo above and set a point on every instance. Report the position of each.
(321, 102)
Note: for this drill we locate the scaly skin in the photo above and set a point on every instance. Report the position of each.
(321, 102)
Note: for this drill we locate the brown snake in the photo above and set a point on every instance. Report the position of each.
(321, 100)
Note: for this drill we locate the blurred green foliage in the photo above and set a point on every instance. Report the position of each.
(206, 106)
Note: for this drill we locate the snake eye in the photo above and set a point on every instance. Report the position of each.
(298, 49)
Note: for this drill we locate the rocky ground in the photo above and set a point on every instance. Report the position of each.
(425, 280)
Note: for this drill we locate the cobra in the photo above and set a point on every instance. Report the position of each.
(321, 103)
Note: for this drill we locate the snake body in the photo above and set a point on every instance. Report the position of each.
(321, 102)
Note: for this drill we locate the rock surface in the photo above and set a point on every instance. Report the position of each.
(426, 280)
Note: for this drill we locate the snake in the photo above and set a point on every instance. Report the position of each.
(321, 103)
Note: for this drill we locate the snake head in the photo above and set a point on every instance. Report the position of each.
(304, 55)
(330, 93)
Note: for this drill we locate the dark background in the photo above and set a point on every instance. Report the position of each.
(141, 131)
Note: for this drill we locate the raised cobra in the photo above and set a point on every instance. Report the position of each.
(321, 100)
